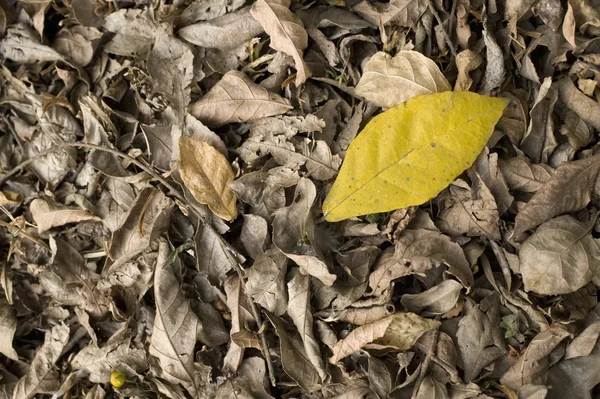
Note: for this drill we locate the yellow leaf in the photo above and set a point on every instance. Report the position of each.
(408, 154)
(206, 173)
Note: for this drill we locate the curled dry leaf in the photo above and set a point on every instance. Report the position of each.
(235, 98)
(388, 81)
(561, 257)
(47, 215)
(175, 326)
(569, 190)
(286, 31)
(435, 301)
(206, 173)
(8, 325)
(400, 12)
(266, 282)
(227, 31)
(99, 363)
(408, 154)
(397, 332)
(522, 175)
(42, 376)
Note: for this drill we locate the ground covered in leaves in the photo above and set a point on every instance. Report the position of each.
(164, 166)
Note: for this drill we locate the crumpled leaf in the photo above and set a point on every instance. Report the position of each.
(532, 366)
(8, 325)
(101, 362)
(21, 44)
(585, 107)
(235, 98)
(435, 301)
(175, 325)
(575, 377)
(398, 332)
(388, 81)
(227, 31)
(206, 173)
(293, 358)
(401, 12)
(479, 338)
(42, 376)
(248, 383)
(266, 282)
(300, 312)
(395, 156)
(294, 224)
(561, 257)
(239, 305)
(286, 31)
(47, 215)
(417, 251)
(215, 256)
(569, 190)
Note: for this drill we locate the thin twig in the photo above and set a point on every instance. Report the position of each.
(439, 21)
(173, 191)
(425, 366)
(259, 324)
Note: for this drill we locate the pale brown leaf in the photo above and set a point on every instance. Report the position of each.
(47, 215)
(266, 282)
(286, 31)
(235, 98)
(387, 81)
(206, 173)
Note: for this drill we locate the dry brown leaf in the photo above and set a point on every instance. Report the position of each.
(175, 326)
(42, 376)
(401, 12)
(99, 363)
(47, 215)
(266, 282)
(398, 332)
(8, 325)
(569, 190)
(388, 81)
(286, 31)
(435, 301)
(585, 107)
(300, 312)
(235, 98)
(206, 173)
(522, 175)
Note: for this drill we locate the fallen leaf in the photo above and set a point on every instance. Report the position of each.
(215, 257)
(8, 326)
(235, 98)
(479, 338)
(47, 215)
(388, 81)
(266, 282)
(435, 301)
(401, 12)
(585, 107)
(99, 363)
(206, 173)
(227, 31)
(568, 190)
(561, 257)
(576, 377)
(522, 175)
(382, 160)
(300, 312)
(286, 31)
(293, 358)
(532, 365)
(175, 325)
(21, 44)
(398, 332)
(42, 376)
(539, 140)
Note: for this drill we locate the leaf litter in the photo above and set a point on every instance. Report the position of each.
(287, 199)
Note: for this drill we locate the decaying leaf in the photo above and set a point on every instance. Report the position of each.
(99, 363)
(47, 215)
(42, 376)
(435, 301)
(286, 31)
(397, 332)
(175, 325)
(266, 282)
(8, 325)
(388, 81)
(568, 190)
(206, 173)
(561, 257)
(235, 98)
(394, 158)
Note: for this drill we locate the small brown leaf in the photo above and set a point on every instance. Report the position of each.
(286, 31)
(399, 332)
(47, 215)
(235, 98)
(206, 173)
